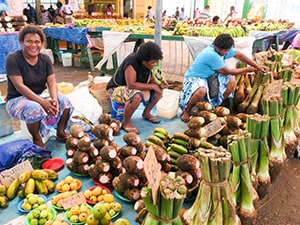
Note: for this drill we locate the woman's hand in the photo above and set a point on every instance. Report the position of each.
(164, 84)
(263, 69)
(51, 107)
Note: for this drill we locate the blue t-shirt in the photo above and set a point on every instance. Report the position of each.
(207, 62)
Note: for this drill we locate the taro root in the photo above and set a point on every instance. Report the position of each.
(99, 143)
(71, 165)
(131, 138)
(83, 168)
(102, 165)
(116, 162)
(133, 194)
(70, 153)
(116, 126)
(93, 152)
(103, 131)
(76, 131)
(108, 153)
(133, 164)
(104, 118)
(126, 151)
(71, 143)
(81, 157)
(93, 171)
(105, 178)
(84, 143)
(187, 162)
(195, 122)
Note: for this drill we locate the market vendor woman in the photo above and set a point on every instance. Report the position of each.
(209, 79)
(133, 84)
(29, 73)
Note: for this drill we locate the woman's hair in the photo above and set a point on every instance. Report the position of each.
(149, 51)
(59, 4)
(224, 41)
(29, 29)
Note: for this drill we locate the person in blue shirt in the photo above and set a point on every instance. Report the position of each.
(209, 78)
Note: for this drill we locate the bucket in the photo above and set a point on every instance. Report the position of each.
(117, 110)
(66, 59)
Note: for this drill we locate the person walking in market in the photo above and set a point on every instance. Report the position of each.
(45, 16)
(29, 74)
(209, 78)
(150, 14)
(133, 84)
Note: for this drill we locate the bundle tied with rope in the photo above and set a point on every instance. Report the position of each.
(171, 195)
(214, 203)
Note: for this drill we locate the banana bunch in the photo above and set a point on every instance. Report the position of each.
(180, 144)
(158, 74)
(181, 28)
(160, 137)
(3, 197)
(40, 181)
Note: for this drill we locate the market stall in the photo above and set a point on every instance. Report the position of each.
(8, 43)
(113, 40)
(78, 40)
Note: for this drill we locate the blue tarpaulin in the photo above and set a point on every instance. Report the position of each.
(75, 35)
(3, 5)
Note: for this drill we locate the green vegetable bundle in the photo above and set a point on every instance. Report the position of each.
(244, 193)
(290, 95)
(172, 192)
(277, 156)
(213, 204)
(258, 126)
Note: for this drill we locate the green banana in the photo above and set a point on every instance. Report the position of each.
(156, 140)
(13, 188)
(181, 142)
(161, 136)
(174, 154)
(182, 136)
(179, 148)
(158, 74)
(161, 130)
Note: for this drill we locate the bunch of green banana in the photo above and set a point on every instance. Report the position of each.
(158, 74)
(180, 144)
(160, 137)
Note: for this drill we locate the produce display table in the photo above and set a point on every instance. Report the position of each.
(8, 43)
(266, 39)
(79, 36)
(113, 40)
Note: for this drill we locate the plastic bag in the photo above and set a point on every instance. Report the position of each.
(15, 152)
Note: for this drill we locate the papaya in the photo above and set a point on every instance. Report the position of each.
(13, 189)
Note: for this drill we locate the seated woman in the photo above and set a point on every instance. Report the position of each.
(29, 73)
(212, 80)
(132, 84)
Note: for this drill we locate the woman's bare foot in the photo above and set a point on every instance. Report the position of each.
(130, 128)
(185, 117)
(62, 136)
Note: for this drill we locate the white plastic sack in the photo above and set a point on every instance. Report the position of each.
(84, 105)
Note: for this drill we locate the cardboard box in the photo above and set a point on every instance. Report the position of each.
(76, 60)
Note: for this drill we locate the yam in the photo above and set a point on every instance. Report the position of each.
(76, 131)
(208, 116)
(102, 165)
(133, 194)
(133, 164)
(99, 143)
(93, 171)
(83, 168)
(187, 162)
(84, 143)
(104, 118)
(160, 153)
(70, 153)
(196, 133)
(188, 178)
(103, 131)
(131, 138)
(81, 157)
(140, 147)
(116, 163)
(71, 143)
(105, 178)
(108, 153)
(126, 151)
(195, 122)
(204, 106)
(221, 111)
(116, 126)
(129, 180)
